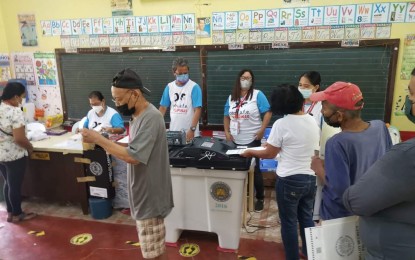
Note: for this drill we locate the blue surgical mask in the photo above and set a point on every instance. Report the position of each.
(183, 78)
(305, 92)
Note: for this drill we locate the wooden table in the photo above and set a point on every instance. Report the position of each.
(52, 171)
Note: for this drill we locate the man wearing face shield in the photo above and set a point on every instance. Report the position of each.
(243, 124)
(103, 116)
(410, 99)
(148, 169)
(352, 151)
(184, 97)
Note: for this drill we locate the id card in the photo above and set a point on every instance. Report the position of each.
(234, 127)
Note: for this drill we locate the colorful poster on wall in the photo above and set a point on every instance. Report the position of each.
(4, 67)
(27, 26)
(23, 67)
(408, 60)
(45, 69)
(203, 27)
(122, 7)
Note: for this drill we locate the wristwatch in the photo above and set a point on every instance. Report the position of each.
(193, 128)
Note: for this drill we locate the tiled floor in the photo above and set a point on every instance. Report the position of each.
(260, 239)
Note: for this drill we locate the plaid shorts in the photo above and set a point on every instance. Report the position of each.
(151, 233)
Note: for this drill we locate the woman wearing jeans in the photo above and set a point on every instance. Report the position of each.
(14, 148)
(294, 137)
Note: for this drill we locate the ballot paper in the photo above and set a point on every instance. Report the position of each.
(241, 150)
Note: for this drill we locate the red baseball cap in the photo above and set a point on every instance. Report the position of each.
(341, 94)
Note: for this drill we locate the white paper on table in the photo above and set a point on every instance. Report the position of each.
(239, 151)
(69, 145)
(124, 140)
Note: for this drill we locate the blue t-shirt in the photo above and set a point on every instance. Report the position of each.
(348, 156)
(262, 101)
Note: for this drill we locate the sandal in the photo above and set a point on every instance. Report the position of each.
(24, 216)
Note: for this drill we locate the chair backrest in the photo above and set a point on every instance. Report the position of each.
(78, 125)
(75, 127)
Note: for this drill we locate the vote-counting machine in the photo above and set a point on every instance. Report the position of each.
(207, 153)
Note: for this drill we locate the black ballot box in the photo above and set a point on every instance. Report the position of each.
(208, 153)
(100, 167)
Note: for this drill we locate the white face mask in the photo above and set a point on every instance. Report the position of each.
(97, 109)
(246, 84)
(305, 92)
(23, 102)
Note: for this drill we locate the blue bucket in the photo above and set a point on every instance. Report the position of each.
(100, 208)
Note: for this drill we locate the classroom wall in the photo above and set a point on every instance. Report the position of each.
(60, 9)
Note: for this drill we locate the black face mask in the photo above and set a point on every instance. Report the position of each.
(124, 110)
(332, 124)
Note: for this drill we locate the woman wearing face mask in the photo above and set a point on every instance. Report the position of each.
(103, 116)
(309, 83)
(243, 124)
(14, 149)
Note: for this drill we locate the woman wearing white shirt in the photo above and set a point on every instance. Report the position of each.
(294, 137)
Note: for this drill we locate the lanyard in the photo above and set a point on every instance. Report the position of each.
(239, 106)
(310, 108)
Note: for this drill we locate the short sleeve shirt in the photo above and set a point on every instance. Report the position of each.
(10, 118)
(149, 182)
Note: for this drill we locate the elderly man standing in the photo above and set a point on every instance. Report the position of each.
(148, 174)
(352, 151)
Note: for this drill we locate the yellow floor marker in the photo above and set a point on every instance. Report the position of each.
(246, 257)
(133, 243)
(81, 239)
(189, 250)
(37, 233)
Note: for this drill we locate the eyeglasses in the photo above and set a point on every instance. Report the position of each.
(246, 78)
(117, 100)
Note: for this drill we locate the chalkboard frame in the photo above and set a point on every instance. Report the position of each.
(204, 51)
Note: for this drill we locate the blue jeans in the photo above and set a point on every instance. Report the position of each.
(295, 200)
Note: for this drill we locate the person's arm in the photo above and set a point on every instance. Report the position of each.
(265, 122)
(117, 125)
(389, 182)
(227, 122)
(264, 108)
(91, 136)
(269, 152)
(165, 101)
(19, 135)
(197, 107)
(317, 165)
(337, 170)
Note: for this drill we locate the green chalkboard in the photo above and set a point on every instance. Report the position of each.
(82, 73)
(372, 66)
(368, 67)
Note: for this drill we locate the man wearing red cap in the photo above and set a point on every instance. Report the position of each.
(349, 153)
